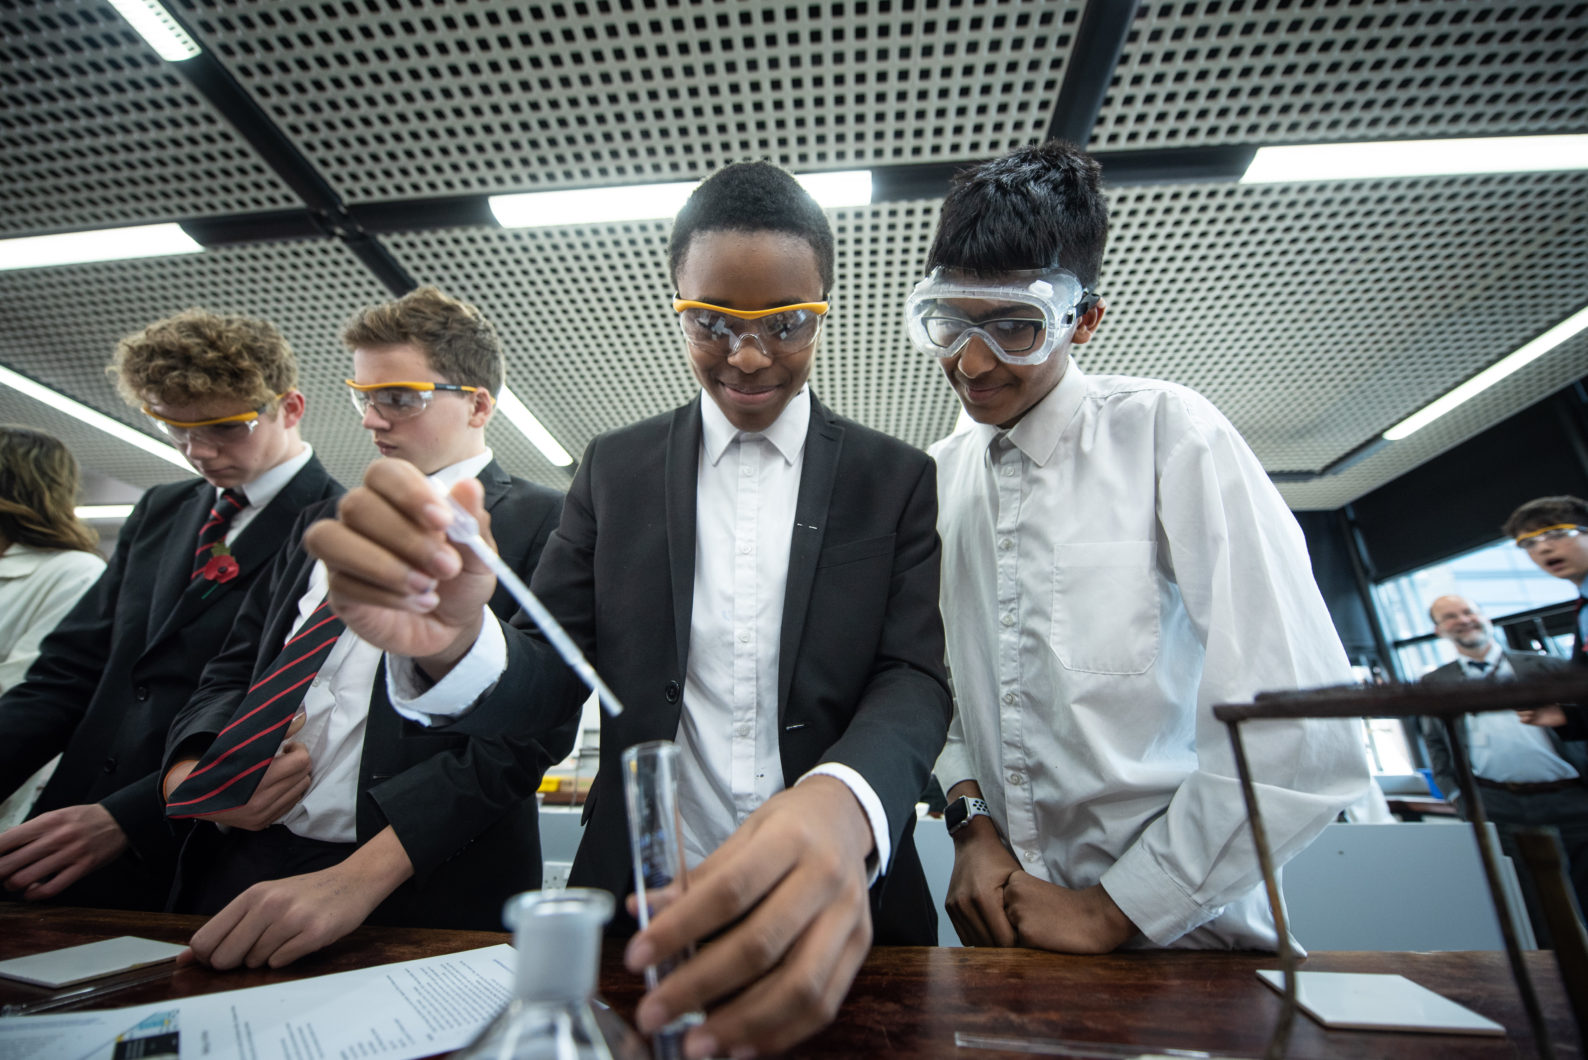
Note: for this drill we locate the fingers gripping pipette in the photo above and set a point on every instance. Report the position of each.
(465, 530)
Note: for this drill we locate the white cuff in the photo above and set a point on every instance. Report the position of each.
(455, 694)
(875, 816)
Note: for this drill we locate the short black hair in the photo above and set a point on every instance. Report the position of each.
(752, 197)
(1038, 206)
(1564, 510)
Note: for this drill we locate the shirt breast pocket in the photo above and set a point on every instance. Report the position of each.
(1105, 607)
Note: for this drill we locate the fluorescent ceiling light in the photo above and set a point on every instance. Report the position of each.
(649, 202)
(1491, 375)
(105, 244)
(155, 25)
(1417, 158)
(531, 428)
(61, 403)
(102, 512)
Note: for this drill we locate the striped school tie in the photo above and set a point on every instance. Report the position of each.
(224, 510)
(229, 771)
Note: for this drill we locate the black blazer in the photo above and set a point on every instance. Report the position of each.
(463, 807)
(861, 678)
(116, 670)
(1527, 667)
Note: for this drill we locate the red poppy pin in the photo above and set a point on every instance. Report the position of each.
(222, 567)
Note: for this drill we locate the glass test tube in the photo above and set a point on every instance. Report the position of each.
(656, 841)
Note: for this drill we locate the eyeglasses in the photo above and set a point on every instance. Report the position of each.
(399, 401)
(779, 331)
(216, 433)
(1528, 542)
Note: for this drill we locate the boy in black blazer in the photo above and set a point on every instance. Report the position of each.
(398, 823)
(115, 671)
(757, 579)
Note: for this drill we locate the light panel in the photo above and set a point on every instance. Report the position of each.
(649, 202)
(77, 410)
(530, 427)
(1491, 375)
(102, 513)
(156, 26)
(1416, 158)
(105, 244)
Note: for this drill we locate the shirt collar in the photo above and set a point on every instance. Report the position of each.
(787, 433)
(19, 560)
(468, 467)
(1038, 432)
(263, 489)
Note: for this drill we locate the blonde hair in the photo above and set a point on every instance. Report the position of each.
(38, 489)
(197, 355)
(457, 340)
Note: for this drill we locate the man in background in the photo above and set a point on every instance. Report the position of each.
(1526, 774)
(110, 678)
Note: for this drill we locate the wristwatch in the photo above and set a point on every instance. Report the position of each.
(959, 812)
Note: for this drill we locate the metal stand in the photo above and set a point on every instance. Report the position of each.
(1449, 703)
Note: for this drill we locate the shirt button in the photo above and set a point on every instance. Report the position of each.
(1010, 697)
(747, 471)
(1030, 855)
(1009, 472)
(742, 730)
(1008, 620)
(744, 636)
(1006, 544)
(744, 550)
(1016, 779)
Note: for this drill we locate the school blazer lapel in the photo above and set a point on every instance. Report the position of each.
(682, 471)
(823, 443)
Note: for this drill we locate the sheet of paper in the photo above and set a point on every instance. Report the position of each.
(394, 1011)
(1362, 1001)
(91, 960)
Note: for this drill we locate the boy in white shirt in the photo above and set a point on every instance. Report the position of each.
(1115, 562)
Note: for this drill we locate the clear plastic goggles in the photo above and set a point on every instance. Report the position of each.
(217, 433)
(398, 401)
(1558, 532)
(779, 331)
(1021, 316)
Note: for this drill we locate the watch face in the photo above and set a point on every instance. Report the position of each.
(955, 814)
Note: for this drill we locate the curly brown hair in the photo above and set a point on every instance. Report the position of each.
(198, 355)
(457, 340)
(38, 488)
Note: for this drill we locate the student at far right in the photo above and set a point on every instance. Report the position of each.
(1551, 530)
(1115, 562)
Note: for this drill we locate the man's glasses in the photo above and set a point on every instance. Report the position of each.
(398, 401)
(217, 433)
(779, 331)
(1528, 542)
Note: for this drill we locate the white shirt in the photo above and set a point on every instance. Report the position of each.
(1114, 568)
(727, 731)
(1501, 745)
(263, 489)
(336, 707)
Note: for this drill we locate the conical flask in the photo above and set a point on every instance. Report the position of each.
(555, 1015)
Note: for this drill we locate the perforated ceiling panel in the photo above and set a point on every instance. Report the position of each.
(432, 97)
(1200, 72)
(60, 327)
(1318, 315)
(95, 130)
(586, 314)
